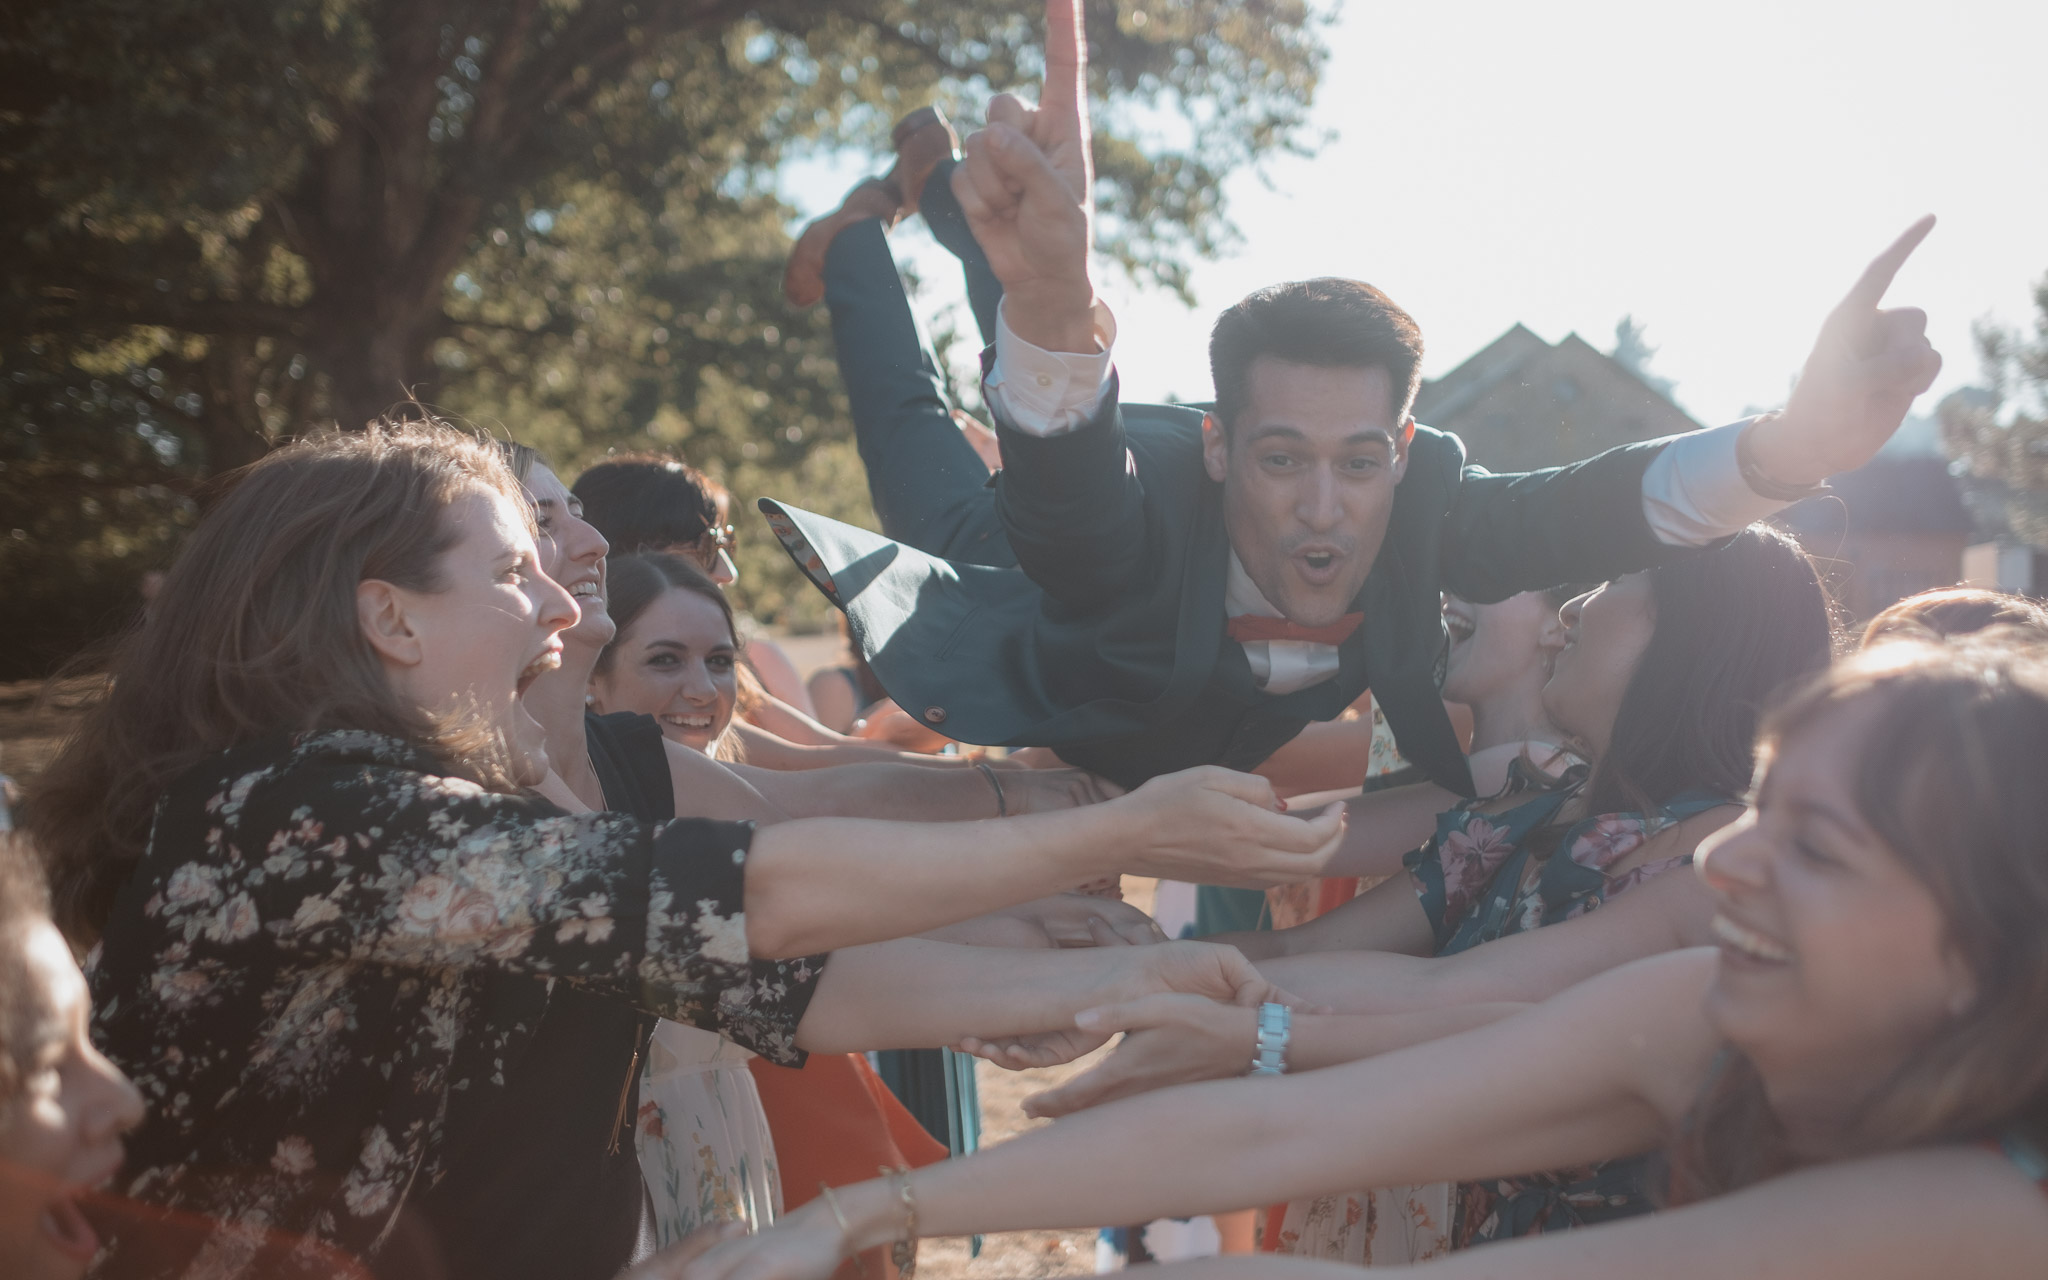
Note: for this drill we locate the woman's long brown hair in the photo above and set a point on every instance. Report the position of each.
(255, 634)
(1950, 780)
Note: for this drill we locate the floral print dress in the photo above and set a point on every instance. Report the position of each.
(1481, 878)
(331, 953)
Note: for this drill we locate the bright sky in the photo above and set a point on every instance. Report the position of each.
(1720, 171)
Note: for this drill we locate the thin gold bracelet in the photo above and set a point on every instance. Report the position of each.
(860, 1264)
(904, 1252)
(988, 771)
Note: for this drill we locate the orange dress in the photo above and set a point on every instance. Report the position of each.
(836, 1123)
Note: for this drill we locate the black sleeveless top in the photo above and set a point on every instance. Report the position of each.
(548, 1187)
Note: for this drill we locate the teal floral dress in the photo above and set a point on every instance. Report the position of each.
(1484, 876)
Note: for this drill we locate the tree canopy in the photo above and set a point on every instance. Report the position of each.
(246, 217)
(1997, 434)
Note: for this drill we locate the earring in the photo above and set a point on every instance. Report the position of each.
(589, 699)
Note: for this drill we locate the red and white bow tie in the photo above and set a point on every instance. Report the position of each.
(1248, 627)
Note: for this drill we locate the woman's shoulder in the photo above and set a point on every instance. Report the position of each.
(321, 772)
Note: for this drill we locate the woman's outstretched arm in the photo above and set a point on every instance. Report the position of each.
(1600, 1071)
(1872, 1219)
(1669, 912)
(823, 883)
(917, 993)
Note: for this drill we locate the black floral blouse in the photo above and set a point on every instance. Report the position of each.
(332, 953)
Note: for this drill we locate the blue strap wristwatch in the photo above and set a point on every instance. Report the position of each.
(1276, 1022)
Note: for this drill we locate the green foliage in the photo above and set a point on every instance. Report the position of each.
(1997, 434)
(246, 217)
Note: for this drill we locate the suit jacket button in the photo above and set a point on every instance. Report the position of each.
(937, 715)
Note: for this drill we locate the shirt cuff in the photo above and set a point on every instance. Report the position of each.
(1048, 393)
(1694, 493)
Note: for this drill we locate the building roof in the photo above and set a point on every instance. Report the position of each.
(1886, 495)
(1520, 403)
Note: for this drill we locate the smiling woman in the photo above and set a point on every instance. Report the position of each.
(675, 654)
(331, 920)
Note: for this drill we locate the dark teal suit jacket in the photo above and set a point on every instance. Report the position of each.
(1107, 642)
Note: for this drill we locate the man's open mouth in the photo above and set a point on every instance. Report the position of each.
(1460, 627)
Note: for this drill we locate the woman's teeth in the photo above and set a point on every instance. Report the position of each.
(549, 661)
(584, 591)
(688, 722)
(1460, 628)
(1749, 942)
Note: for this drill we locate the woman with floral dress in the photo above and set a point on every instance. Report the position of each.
(330, 922)
(1658, 684)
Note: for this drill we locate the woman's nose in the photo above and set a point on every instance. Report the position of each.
(698, 687)
(557, 608)
(585, 544)
(1735, 858)
(1571, 610)
(114, 1105)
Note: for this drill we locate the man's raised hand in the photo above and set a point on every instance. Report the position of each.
(1027, 188)
(1864, 374)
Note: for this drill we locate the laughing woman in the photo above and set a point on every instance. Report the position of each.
(1854, 1084)
(699, 1124)
(330, 921)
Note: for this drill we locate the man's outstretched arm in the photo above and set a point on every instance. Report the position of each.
(1073, 507)
(1617, 511)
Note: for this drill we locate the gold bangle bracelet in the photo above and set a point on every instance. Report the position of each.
(860, 1265)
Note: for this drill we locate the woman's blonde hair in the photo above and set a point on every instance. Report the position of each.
(1949, 779)
(1957, 611)
(255, 633)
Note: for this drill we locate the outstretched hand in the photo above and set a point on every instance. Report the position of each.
(1867, 367)
(1207, 974)
(1212, 825)
(1169, 1039)
(1026, 185)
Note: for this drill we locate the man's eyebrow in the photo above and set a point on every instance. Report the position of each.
(1279, 429)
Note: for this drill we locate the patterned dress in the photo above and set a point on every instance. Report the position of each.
(1386, 1226)
(1485, 876)
(332, 955)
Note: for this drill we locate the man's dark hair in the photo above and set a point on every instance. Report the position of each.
(644, 501)
(1327, 322)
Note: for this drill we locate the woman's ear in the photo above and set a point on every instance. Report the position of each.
(380, 612)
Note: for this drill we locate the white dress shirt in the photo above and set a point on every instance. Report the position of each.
(1693, 491)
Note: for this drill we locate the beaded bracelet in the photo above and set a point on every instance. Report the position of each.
(904, 1252)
